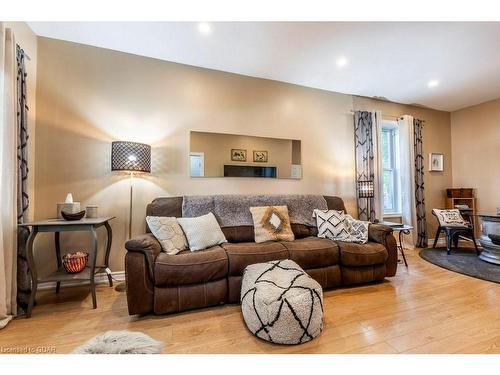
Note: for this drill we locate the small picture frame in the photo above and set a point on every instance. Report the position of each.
(238, 154)
(260, 156)
(436, 162)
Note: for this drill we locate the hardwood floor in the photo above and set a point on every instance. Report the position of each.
(423, 309)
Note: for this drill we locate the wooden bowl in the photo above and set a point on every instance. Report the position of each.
(73, 217)
(75, 262)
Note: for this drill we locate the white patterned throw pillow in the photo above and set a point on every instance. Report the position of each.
(450, 218)
(168, 233)
(202, 232)
(338, 226)
(358, 230)
(331, 224)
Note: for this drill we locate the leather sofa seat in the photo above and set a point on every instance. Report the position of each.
(358, 255)
(313, 252)
(190, 267)
(243, 254)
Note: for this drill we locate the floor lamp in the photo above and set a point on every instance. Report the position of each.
(130, 157)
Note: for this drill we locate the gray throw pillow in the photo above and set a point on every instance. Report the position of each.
(202, 232)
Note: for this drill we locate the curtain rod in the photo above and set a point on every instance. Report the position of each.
(384, 115)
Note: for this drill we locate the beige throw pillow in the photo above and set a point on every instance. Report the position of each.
(271, 223)
(168, 232)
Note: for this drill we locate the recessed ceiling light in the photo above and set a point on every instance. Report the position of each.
(204, 28)
(433, 83)
(342, 61)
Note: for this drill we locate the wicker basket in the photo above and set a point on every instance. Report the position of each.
(75, 262)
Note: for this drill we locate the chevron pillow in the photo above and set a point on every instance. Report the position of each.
(332, 224)
(338, 226)
(358, 230)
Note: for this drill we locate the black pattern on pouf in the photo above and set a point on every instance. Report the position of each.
(281, 303)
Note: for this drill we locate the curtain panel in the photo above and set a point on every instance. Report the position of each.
(365, 140)
(23, 274)
(8, 166)
(377, 163)
(412, 178)
(407, 173)
(419, 185)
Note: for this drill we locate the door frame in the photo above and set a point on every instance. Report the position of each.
(202, 155)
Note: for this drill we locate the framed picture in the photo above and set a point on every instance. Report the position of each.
(436, 162)
(260, 156)
(238, 154)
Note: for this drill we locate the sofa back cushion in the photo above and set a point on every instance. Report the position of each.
(172, 206)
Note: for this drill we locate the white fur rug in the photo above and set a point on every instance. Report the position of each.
(120, 342)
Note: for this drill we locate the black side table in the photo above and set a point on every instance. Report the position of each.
(56, 226)
(404, 229)
(401, 229)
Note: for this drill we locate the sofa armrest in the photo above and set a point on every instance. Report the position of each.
(383, 235)
(148, 245)
(378, 232)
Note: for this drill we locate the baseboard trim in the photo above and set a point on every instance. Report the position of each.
(100, 278)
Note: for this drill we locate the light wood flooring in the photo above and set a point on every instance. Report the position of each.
(423, 309)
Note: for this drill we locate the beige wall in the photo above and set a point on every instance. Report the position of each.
(217, 151)
(27, 40)
(475, 136)
(89, 96)
(437, 138)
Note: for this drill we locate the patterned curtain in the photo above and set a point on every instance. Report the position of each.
(365, 164)
(23, 275)
(419, 185)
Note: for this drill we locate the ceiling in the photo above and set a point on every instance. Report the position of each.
(396, 61)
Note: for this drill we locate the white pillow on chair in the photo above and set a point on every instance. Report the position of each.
(450, 218)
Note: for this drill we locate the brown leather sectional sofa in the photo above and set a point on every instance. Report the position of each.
(161, 283)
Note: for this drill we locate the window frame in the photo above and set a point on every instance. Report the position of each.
(394, 168)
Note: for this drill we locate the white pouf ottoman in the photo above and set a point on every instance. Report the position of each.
(281, 303)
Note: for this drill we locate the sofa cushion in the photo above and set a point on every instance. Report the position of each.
(245, 233)
(243, 254)
(302, 230)
(242, 233)
(313, 252)
(368, 254)
(188, 267)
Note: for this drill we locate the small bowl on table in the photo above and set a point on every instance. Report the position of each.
(73, 217)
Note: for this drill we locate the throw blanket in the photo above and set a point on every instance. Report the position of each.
(234, 210)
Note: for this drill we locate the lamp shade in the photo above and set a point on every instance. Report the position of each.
(130, 157)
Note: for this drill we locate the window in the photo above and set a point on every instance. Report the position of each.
(390, 169)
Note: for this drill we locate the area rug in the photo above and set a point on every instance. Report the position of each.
(120, 342)
(464, 261)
